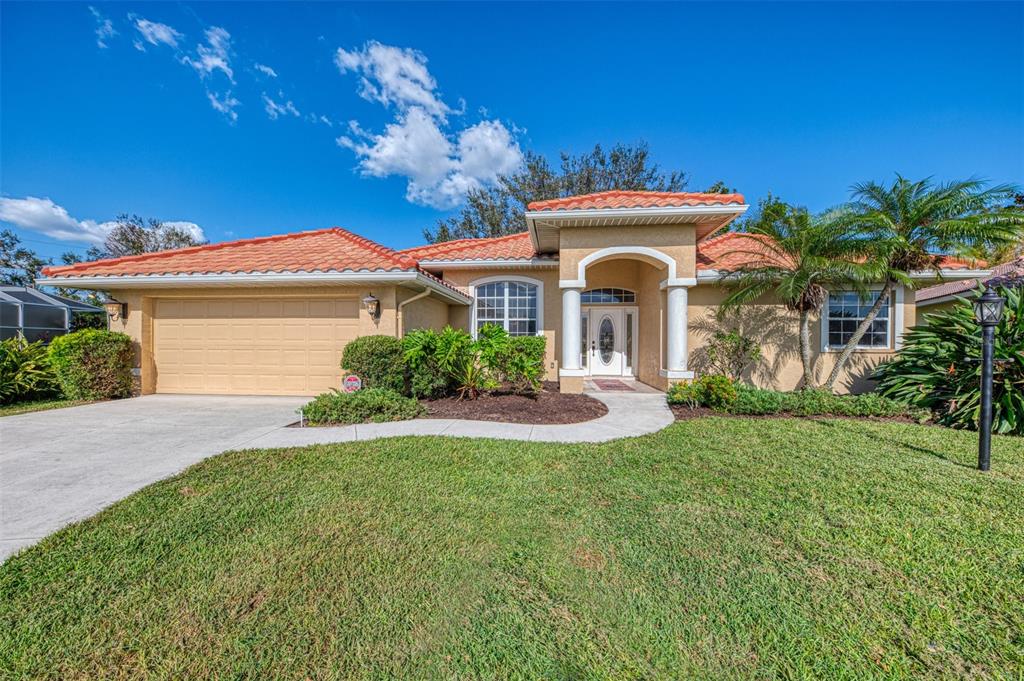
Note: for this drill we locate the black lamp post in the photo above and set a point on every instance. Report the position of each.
(988, 310)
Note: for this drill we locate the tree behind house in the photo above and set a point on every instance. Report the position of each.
(498, 210)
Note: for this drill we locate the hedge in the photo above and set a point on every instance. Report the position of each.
(92, 364)
(370, 405)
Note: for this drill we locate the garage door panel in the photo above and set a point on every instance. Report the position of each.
(252, 346)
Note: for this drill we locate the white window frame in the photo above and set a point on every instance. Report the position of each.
(895, 332)
(609, 288)
(512, 278)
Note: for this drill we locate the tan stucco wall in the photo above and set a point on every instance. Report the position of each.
(551, 324)
(676, 241)
(425, 313)
(139, 322)
(776, 330)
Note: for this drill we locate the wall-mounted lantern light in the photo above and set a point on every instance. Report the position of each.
(372, 305)
(116, 310)
(988, 310)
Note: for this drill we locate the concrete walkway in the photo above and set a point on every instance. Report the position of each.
(629, 415)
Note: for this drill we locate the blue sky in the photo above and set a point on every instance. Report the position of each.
(172, 111)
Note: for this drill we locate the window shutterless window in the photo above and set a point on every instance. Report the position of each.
(846, 310)
(605, 296)
(510, 304)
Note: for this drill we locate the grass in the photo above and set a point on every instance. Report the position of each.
(718, 548)
(40, 405)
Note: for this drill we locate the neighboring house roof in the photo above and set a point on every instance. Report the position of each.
(325, 250)
(962, 286)
(511, 247)
(635, 199)
(733, 250)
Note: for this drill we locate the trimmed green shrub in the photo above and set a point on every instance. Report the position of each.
(712, 391)
(92, 364)
(939, 366)
(523, 366)
(25, 371)
(371, 405)
(377, 360)
(750, 401)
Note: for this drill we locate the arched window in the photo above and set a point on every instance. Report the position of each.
(604, 296)
(512, 304)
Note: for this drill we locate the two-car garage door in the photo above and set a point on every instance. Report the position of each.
(251, 346)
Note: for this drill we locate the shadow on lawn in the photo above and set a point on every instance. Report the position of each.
(839, 425)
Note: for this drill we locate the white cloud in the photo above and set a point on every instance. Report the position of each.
(104, 28)
(439, 172)
(225, 104)
(191, 228)
(46, 217)
(214, 55)
(265, 70)
(393, 76)
(441, 167)
(155, 33)
(326, 121)
(275, 110)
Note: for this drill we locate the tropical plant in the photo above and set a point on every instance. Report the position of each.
(426, 379)
(731, 353)
(939, 366)
(797, 257)
(913, 223)
(25, 371)
(712, 391)
(92, 365)
(377, 360)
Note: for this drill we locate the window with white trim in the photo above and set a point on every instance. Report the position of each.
(846, 310)
(510, 304)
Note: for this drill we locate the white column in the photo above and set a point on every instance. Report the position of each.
(677, 328)
(571, 329)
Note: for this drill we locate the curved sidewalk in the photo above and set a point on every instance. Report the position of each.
(629, 415)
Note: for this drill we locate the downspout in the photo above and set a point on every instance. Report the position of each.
(399, 321)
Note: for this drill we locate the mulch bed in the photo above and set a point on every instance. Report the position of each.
(683, 413)
(547, 407)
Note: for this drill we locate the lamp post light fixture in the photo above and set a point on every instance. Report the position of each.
(116, 310)
(372, 305)
(988, 310)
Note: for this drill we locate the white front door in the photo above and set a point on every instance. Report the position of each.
(609, 338)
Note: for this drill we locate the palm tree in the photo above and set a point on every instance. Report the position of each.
(798, 257)
(914, 223)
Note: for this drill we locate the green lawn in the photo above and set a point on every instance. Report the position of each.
(718, 548)
(39, 405)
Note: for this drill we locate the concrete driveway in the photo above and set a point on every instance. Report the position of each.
(64, 465)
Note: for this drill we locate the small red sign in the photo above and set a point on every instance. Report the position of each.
(352, 383)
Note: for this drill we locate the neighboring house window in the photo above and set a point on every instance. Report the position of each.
(846, 310)
(598, 296)
(511, 304)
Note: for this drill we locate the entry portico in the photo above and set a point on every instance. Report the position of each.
(648, 251)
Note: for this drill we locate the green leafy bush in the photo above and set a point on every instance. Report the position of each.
(939, 366)
(712, 391)
(25, 371)
(426, 378)
(92, 364)
(377, 360)
(371, 405)
(452, 360)
(759, 402)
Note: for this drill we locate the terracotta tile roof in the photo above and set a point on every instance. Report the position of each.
(636, 199)
(512, 247)
(733, 250)
(961, 286)
(325, 250)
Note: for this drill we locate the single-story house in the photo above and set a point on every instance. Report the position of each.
(621, 283)
(944, 296)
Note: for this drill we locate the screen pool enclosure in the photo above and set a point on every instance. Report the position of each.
(37, 315)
